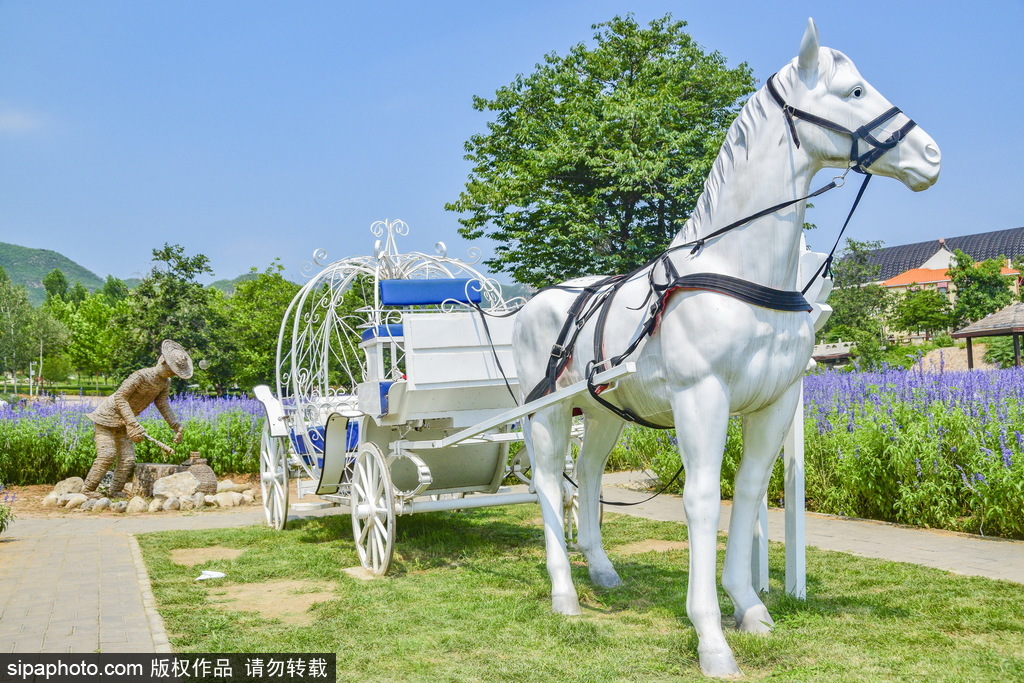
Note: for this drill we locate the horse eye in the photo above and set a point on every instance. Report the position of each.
(857, 92)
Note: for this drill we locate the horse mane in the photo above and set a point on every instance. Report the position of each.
(747, 124)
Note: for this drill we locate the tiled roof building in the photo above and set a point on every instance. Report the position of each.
(936, 254)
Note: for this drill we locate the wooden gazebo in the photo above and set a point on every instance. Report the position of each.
(1009, 321)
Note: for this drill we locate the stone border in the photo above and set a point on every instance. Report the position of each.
(161, 643)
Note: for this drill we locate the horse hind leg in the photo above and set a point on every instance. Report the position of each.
(602, 433)
(763, 433)
(547, 437)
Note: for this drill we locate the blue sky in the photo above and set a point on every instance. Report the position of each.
(253, 130)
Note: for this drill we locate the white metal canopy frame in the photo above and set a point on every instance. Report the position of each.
(319, 363)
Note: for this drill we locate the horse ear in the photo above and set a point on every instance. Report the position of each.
(807, 62)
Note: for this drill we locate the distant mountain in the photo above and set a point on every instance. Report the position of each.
(28, 267)
(228, 286)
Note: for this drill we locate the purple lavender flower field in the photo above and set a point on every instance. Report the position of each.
(943, 450)
(43, 443)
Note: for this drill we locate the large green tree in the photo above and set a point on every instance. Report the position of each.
(859, 304)
(981, 288)
(56, 284)
(114, 289)
(595, 160)
(16, 317)
(254, 316)
(922, 309)
(93, 337)
(170, 303)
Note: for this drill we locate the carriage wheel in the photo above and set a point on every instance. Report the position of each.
(274, 479)
(373, 510)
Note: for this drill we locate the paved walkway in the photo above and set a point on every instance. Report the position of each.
(78, 583)
(959, 553)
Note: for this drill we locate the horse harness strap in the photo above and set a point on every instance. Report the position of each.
(858, 162)
(744, 290)
(575, 318)
(750, 292)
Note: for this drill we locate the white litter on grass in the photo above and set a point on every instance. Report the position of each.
(207, 574)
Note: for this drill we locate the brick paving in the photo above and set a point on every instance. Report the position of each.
(78, 584)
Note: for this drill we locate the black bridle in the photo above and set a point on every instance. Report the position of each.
(598, 297)
(858, 162)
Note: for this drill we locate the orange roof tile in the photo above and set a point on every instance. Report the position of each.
(918, 275)
(929, 276)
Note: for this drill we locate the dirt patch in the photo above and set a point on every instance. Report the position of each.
(190, 557)
(361, 573)
(28, 501)
(953, 359)
(288, 601)
(649, 546)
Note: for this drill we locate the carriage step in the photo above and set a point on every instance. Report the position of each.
(306, 507)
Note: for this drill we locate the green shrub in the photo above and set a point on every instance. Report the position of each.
(42, 444)
(6, 514)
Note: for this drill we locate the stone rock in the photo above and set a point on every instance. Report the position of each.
(249, 492)
(172, 504)
(147, 474)
(186, 504)
(204, 473)
(198, 500)
(101, 505)
(51, 501)
(120, 506)
(228, 485)
(69, 485)
(176, 485)
(136, 504)
(73, 500)
(210, 500)
(226, 499)
(88, 505)
(156, 505)
(247, 499)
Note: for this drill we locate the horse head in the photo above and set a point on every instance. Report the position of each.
(840, 120)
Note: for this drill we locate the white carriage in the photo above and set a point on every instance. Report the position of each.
(397, 394)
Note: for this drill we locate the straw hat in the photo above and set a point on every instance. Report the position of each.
(177, 358)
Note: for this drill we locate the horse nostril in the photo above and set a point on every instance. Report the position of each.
(932, 153)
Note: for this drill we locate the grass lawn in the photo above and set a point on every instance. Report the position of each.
(467, 599)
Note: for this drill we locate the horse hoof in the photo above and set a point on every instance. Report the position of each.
(719, 664)
(755, 620)
(566, 604)
(605, 578)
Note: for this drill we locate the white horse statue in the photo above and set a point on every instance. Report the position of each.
(713, 346)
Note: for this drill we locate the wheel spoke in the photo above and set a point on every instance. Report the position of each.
(370, 498)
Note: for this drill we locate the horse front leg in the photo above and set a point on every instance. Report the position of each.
(547, 437)
(601, 435)
(763, 433)
(701, 417)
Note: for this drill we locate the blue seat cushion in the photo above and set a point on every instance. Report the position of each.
(428, 292)
(390, 330)
(316, 440)
(352, 436)
(384, 387)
